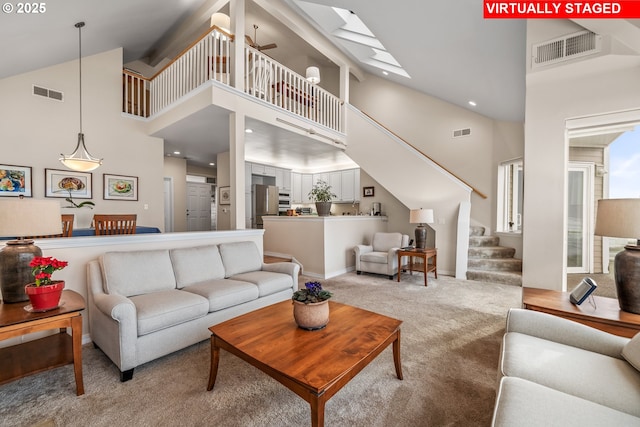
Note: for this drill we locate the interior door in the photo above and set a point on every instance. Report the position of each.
(198, 206)
(580, 218)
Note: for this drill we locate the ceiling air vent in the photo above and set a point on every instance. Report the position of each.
(461, 132)
(566, 48)
(48, 93)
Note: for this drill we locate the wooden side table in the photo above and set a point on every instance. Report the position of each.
(46, 353)
(606, 315)
(425, 266)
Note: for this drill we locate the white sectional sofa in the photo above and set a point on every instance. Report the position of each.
(556, 372)
(149, 303)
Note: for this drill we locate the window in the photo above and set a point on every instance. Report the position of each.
(510, 191)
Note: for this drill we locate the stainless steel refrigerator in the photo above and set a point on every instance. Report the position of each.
(264, 201)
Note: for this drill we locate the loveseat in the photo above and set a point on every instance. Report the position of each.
(554, 371)
(380, 257)
(149, 303)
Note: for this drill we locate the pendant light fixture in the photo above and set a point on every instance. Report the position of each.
(80, 159)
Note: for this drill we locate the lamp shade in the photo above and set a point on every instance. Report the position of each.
(222, 21)
(421, 216)
(27, 217)
(313, 75)
(618, 218)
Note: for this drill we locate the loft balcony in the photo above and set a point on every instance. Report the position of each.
(210, 58)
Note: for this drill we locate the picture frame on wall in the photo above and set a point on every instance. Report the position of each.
(63, 184)
(120, 187)
(368, 191)
(15, 181)
(225, 196)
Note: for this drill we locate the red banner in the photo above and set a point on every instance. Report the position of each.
(519, 9)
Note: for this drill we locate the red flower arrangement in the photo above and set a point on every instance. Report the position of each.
(43, 268)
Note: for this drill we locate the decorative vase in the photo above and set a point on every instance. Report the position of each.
(312, 316)
(14, 269)
(44, 297)
(323, 208)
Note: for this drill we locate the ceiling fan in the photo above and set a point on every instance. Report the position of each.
(254, 44)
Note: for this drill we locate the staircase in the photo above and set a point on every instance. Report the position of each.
(490, 262)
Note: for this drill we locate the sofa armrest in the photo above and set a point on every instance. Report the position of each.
(564, 331)
(290, 268)
(360, 250)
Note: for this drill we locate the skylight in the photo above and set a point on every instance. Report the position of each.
(353, 35)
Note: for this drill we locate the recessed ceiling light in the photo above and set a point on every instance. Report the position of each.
(248, 130)
(212, 164)
(472, 103)
(386, 73)
(176, 152)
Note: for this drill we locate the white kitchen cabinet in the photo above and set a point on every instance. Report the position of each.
(296, 187)
(283, 179)
(305, 187)
(349, 189)
(334, 180)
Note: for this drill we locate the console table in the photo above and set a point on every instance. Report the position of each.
(425, 266)
(606, 315)
(46, 353)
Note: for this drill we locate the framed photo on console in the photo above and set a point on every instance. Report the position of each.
(582, 291)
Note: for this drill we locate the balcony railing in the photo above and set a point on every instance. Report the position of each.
(208, 59)
(276, 84)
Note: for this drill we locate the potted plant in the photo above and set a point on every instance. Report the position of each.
(311, 306)
(322, 195)
(82, 219)
(45, 293)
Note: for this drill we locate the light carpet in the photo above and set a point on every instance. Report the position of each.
(450, 342)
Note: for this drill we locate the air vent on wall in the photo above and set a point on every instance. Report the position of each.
(461, 132)
(48, 93)
(566, 48)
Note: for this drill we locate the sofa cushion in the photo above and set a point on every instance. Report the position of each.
(382, 242)
(592, 376)
(137, 272)
(163, 309)
(197, 264)
(240, 257)
(223, 293)
(631, 351)
(523, 403)
(376, 257)
(267, 282)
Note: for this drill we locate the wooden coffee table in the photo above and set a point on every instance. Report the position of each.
(313, 364)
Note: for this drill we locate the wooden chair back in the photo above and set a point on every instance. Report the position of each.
(108, 224)
(67, 228)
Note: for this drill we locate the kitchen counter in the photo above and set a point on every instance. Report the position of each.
(322, 244)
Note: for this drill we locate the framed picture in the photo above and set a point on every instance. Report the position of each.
(15, 181)
(120, 187)
(225, 196)
(63, 184)
(368, 192)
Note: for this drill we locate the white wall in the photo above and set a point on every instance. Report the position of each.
(428, 124)
(578, 89)
(177, 169)
(35, 130)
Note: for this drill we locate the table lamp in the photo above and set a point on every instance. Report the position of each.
(421, 217)
(19, 218)
(621, 218)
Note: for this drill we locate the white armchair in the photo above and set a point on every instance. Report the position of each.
(380, 257)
